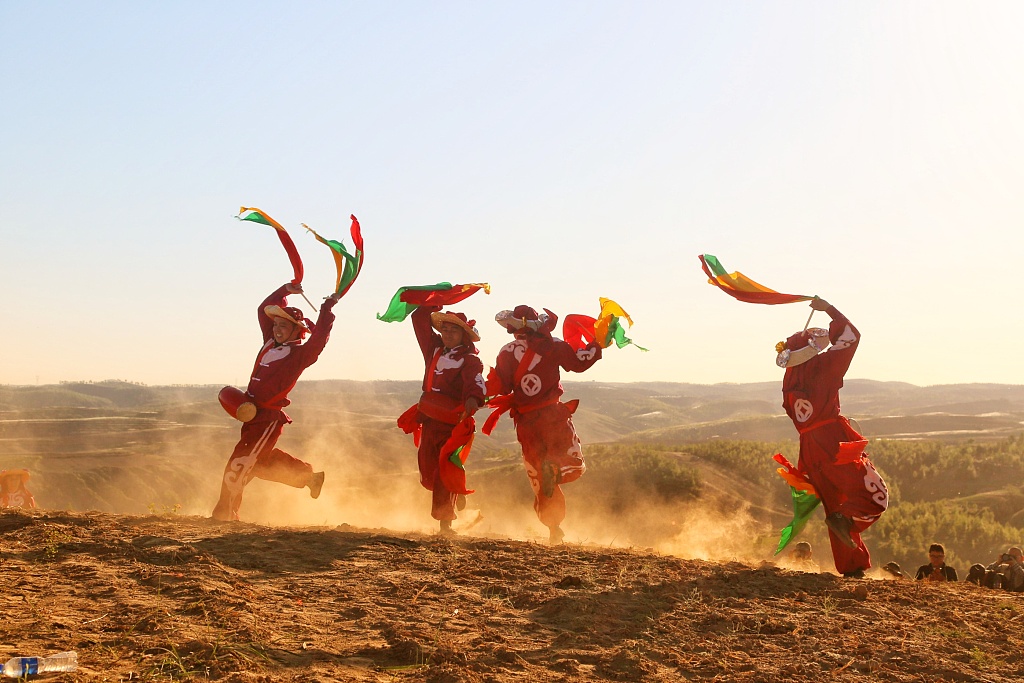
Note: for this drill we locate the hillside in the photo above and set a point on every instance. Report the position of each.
(175, 598)
(608, 411)
(328, 590)
(684, 469)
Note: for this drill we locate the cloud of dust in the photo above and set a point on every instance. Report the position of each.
(693, 530)
(174, 462)
(372, 482)
(709, 534)
(108, 459)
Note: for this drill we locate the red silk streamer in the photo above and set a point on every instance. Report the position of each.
(740, 287)
(348, 264)
(499, 406)
(260, 216)
(357, 239)
(453, 475)
(578, 330)
(793, 475)
(409, 424)
(293, 255)
(442, 297)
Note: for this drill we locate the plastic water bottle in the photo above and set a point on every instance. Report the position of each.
(19, 667)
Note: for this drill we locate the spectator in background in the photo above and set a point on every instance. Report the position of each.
(801, 559)
(1014, 580)
(936, 569)
(13, 493)
(1007, 572)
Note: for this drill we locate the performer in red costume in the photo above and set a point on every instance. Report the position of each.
(453, 389)
(527, 372)
(832, 453)
(278, 366)
(13, 492)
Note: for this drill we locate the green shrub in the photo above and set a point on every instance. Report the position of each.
(624, 472)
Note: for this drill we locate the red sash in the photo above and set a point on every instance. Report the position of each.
(439, 407)
(431, 404)
(851, 450)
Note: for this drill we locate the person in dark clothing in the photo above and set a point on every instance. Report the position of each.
(1007, 572)
(936, 569)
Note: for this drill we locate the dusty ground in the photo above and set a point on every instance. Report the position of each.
(184, 598)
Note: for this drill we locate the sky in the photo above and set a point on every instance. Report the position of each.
(870, 153)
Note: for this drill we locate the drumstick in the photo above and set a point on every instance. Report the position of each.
(809, 319)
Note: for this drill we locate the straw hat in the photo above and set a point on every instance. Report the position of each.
(438, 318)
(289, 313)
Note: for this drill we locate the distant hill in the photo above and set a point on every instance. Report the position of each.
(663, 411)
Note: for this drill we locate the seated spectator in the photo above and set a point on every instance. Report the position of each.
(800, 558)
(977, 574)
(936, 569)
(1015, 575)
(1007, 572)
(801, 551)
(13, 493)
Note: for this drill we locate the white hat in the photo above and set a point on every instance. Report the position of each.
(801, 347)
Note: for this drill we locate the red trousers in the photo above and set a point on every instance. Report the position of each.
(432, 438)
(855, 489)
(255, 457)
(548, 434)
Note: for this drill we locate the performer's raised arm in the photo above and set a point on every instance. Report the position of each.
(579, 361)
(843, 337)
(426, 337)
(314, 346)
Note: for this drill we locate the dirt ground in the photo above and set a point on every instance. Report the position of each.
(174, 598)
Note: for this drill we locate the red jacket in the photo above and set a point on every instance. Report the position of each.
(539, 381)
(458, 372)
(278, 366)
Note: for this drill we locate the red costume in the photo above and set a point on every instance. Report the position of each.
(831, 451)
(13, 493)
(452, 377)
(275, 372)
(527, 370)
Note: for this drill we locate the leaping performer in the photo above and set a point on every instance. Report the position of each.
(279, 363)
(525, 381)
(833, 468)
(442, 422)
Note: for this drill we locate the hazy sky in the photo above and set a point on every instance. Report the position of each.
(867, 152)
